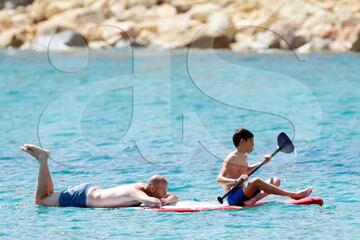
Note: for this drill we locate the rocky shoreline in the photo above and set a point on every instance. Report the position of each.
(243, 25)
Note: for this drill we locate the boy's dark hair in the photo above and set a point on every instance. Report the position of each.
(241, 133)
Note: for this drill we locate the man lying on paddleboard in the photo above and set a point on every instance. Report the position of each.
(152, 194)
(235, 167)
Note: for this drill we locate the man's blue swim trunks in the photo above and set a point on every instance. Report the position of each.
(237, 197)
(74, 196)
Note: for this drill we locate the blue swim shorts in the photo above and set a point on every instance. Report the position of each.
(74, 196)
(237, 197)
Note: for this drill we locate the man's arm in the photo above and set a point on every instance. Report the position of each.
(170, 198)
(145, 199)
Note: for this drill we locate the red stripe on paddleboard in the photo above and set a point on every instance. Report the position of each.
(304, 201)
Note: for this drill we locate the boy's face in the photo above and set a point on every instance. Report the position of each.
(248, 145)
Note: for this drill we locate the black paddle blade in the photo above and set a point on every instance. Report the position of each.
(220, 199)
(284, 143)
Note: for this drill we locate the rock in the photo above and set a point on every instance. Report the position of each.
(135, 14)
(162, 11)
(14, 3)
(171, 40)
(59, 41)
(219, 24)
(287, 36)
(346, 39)
(217, 33)
(56, 7)
(82, 16)
(110, 31)
(117, 8)
(115, 31)
(15, 37)
(150, 26)
(285, 31)
(261, 41)
(74, 19)
(331, 34)
(6, 18)
(73, 39)
(99, 45)
(264, 40)
(53, 26)
(22, 19)
(144, 38)
(145, 3)
(243, 43)
(180, 23)
(356, 45)
(183, 6)
(92, 32)
(37, 11)
(201, 12)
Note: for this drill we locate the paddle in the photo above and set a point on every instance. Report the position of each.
(284, 145)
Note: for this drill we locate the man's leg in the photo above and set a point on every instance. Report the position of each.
(268, 188)
(44, 189)
(274, 181)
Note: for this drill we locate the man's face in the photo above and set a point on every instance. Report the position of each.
(159, 191)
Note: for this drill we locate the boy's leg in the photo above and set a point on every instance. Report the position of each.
(268, 188)
(274, 181)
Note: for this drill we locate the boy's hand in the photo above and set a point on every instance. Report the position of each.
(267, 158)
(243, 177)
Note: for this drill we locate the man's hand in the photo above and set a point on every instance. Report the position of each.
(267, 158)
(157, 204)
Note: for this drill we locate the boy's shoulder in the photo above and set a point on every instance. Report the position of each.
(236, 157)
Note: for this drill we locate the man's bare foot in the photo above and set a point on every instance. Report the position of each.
(36, 152)
(302, 194)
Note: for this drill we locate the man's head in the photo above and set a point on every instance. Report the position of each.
(157, 186)
(243, 139)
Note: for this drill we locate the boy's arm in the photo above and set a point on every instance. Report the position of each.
(251, 168)
(226, 180)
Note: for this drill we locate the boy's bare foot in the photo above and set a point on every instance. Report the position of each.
(36, 152)
(302, 194)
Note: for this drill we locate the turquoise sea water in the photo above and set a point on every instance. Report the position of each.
(112, 118)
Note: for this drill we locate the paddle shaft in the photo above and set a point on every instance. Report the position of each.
(241, 180)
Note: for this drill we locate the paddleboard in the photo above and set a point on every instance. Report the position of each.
(192, 206)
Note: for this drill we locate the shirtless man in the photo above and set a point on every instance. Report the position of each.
(152, 194)
(235, 167)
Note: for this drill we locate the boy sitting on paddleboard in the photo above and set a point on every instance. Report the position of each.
(235, 168)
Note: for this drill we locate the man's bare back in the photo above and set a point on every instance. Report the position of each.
(129, 195)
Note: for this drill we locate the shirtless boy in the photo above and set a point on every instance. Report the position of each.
(152, 194)
(235, 167)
